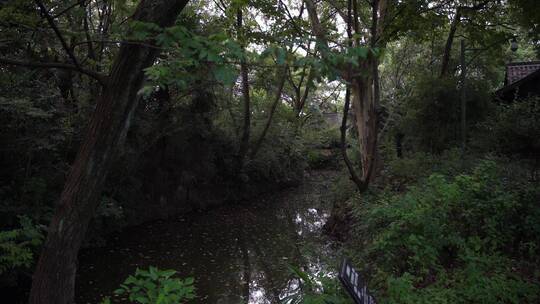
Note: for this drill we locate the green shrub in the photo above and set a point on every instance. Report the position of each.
(323, 158)
(154, 286)
(343, 189)
(280, 158)
(470, 238)
(317, 290)
(513, 129)
(18, 246)
(431, 114)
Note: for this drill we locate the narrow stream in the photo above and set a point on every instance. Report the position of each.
(237, 254)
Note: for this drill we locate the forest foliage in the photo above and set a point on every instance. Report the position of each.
(437, 214)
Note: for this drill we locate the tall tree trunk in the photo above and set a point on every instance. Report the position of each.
(54, 277)
(352, 171)
(366, 95)
(364, 80)
(364, 107)
(244, 141)
(449, 42)
(364, 87)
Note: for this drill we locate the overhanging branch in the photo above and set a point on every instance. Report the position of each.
(50, 20)
(102, 79)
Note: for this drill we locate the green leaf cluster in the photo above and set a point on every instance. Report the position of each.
(513, 129)
(17, 246)
(192, 57)
(155, 286)
(317, 290)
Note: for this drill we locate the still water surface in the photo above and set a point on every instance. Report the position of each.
(237, 254)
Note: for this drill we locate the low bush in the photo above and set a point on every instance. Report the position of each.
(398, 173)
(513, 130)
(155, 286)
(317, 290)
(468, 238)
(431, 114)
(18, 247)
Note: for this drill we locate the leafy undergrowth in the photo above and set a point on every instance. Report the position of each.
(18, 248)
(155, 286)
(317, 290)
(467, 238)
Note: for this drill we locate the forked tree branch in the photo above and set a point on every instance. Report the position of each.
(50, 20)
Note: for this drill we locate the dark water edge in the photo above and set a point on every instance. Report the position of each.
(236, 253)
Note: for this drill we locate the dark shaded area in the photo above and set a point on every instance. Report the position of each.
(522, 81)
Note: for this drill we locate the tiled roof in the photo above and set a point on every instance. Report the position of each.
(519, 70)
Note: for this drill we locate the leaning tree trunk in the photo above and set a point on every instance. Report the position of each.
(54, 277)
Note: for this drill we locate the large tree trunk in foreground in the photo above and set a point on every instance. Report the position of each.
(364, 79)
(54, 278)
(364, 104)
(360, 184)
(364, 88)
(364, 107)
(365, 91)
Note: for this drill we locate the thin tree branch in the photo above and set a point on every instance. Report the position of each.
(354, 177)
(340, 12)
(148, 45)
(311, 75)
(222, 9)
(271, 114)
(56, 65)
(325, 99)
(50, 20)
(291, 19)
(81, 2)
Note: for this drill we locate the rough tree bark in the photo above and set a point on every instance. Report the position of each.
(363, 85)
(54, 277)
(366, 95)
(364, 107)
(352, 171)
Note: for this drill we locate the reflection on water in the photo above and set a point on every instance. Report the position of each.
(237, 254)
